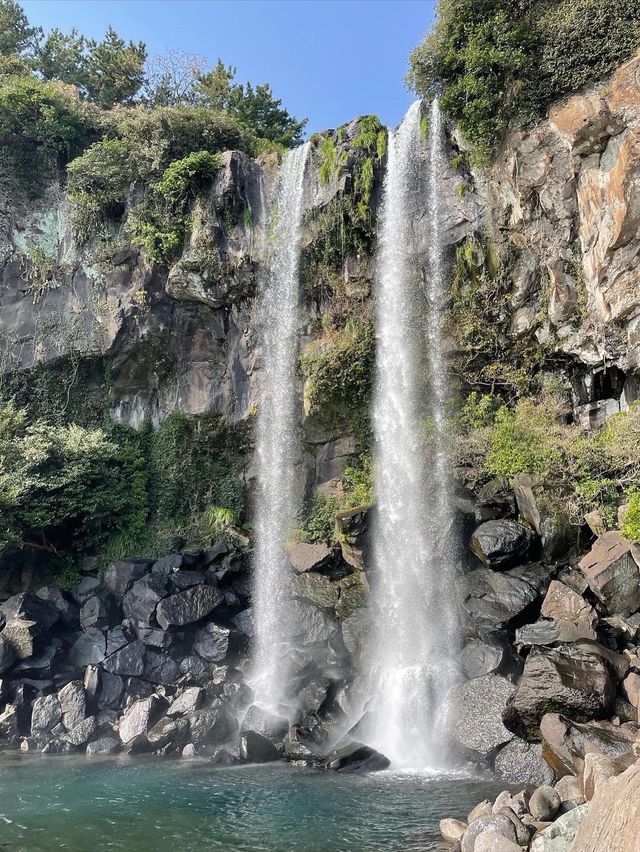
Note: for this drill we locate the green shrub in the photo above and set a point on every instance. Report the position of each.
(48, 114)
(318, 519)
(631, 523)
(494, 62)
(161, 237)
(183, 179)
(329, 160)
(338, 369)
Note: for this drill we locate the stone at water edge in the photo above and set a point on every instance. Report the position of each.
(494, 823)
(256, 748)
(523, 763)
(491, 841)
(560, 835)
(544, 803)
(73, 704)
(138, 718)
(452, 830)
(46, 713)
(104, 745)
(483, 808)
(356, 757)
(473, 711)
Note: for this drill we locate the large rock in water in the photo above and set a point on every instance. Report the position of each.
(523, 763)
(356, 757)
(612, 823)
(576, 680)
(493, 600)
(474, 715)
(565, 743)
(612, 570)
(503, 543)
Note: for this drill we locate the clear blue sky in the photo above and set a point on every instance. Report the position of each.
(327, 60)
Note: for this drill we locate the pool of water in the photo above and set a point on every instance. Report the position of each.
(146, 804)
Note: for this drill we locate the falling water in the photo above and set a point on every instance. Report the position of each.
(413, 638)
(276, 436)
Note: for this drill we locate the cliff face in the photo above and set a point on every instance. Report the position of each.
(565, 197)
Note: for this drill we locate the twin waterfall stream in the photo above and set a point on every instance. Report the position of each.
(409, 663)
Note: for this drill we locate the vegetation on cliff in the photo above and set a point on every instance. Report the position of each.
(495, 63)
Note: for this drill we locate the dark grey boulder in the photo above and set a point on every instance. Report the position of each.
(503, 543)
(211, 725)
(9, 724)
(265, 723)
(575, 680)
(195, 669)
(139, 717)
(8, 654)
(493, 600)
(187, 701)
(98, 611)
(168, 564)
(316, 589)
(545, 632)
(128, 661)
(169, 731)
(495, 500)
(212, 642)
(254, 748)
(182, 580)
(214, 553)
(117, 638)
(63, 602)
(86, 588)
(188, 606)
(104, 745)
(244, 621)
(473, 711)
(89, 648)
(110, 690)
(140, 602)
(119, 577)
(356, 757)
(481, 658)
(160, 668)
(28, 606)
(155, 637)
(43, 663)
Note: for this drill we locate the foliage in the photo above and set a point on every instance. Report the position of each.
(631, 523)
(182, 179)
(33, 112)
(115, 70)
(16, 34)
(494, 62)
(338, 370)
(578, 471)
(256, 107)
(195, 464)
(328, 161)
(66, 487)
(62, 56)
(172, 78)
(99, 179)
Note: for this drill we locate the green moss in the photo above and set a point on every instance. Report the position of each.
(329, 160)
(631, 523)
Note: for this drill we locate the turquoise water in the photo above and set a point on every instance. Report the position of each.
(86, 804)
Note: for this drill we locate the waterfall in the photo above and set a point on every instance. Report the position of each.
(277, 446)
(412, 645)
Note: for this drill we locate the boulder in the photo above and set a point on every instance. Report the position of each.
(612, 822)
(482, 658)
(491, 841)
(244, 621)
(119, 577)
(473, 711)
(254, 748)
(212, 642)
(598, 768)
(104, 745)
(353, 534)
(89, 648)
(483, 808)
(139, 717)
(356, 757)
(612, 570)
(73, 704)
(544, 803)
(569, 789)
(565, 743)
(188, 606)
(563, 603)
(169, 731)
(316, 589)
(27, 606)
(9, 725)
(87, 587)
(545, 632)
(503, 543)
(576, 680)
(182, 580)
(267, 724)
(117, 638)
(20, 635)
(523, 763)
(495, 500)
(309, 557)
(493, 600)
(128, 661)
(212, 725)
(63, 602)
(110, 690)
(140, 602)
(169, 564)
(187, 702)
(81, 733)
(631, 688)
(498, 823)
(160, 668)
(452, 830)
(46, 713)
(560, 835)
(98, 611)
(8, 654)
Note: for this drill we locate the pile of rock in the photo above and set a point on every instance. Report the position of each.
(594, 811)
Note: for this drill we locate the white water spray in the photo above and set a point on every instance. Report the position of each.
(277, 446)
(413, 641)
